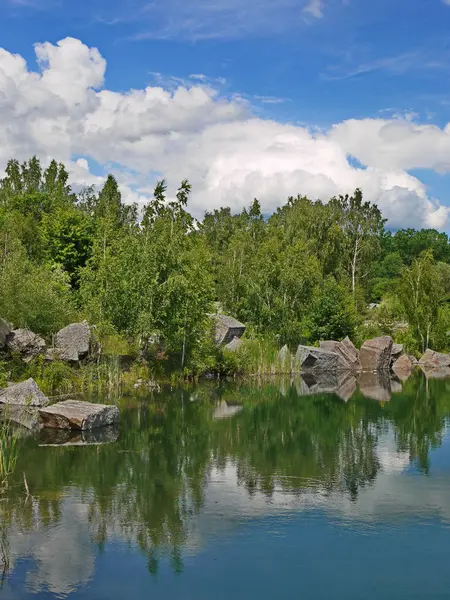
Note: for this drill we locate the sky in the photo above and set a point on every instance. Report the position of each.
(245, 99)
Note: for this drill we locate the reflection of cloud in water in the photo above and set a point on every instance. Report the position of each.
(393, 495)
(62, 553)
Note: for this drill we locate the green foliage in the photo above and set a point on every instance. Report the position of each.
(420, 291)
(52, 377)
(149, 279)
(3, 374)
(333, 313)
(34, 295)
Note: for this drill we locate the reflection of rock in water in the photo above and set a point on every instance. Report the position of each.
(396, 387)
(225, 411)
(285, 384)
(375, 385)
(65, 437)
(26, 416)
(437, 373)
(347, 387)
(341, 383)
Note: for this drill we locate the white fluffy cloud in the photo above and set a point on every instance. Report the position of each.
(229, 154)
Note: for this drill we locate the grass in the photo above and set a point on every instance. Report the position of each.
(258, 357)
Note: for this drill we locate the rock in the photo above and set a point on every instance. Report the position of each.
(375, 354)
(226, 328)
(309, 359)
(375, 386)
(346, 350)
(436, 373)
(5, 330)
(284, 361)
(25, 343)
(26, 416)
(25, 393)
(72, 342)
(433, 360)
(397, 351)
(234, 345)
(352, 351)
(403, 367)
(74, 414)
(67, 437)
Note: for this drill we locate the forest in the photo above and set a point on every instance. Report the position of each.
(312, 270)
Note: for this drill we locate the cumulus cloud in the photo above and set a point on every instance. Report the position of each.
(191, 130)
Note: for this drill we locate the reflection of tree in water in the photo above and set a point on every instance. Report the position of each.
(310, 443)
(146, 487)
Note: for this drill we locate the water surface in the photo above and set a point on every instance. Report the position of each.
(240, 491)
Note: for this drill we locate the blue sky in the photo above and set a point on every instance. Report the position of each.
(305, 64)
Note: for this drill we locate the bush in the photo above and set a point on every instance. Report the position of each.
(33, 296)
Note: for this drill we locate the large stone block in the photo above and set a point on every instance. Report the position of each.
(433, 360)
(284, 361)
(346, 350)
(72, 342)
(26, 393)
(375, 354)
(234, 345)
(74, 414)
(310, 359)
(25, 343)
(5, 330)
(227, 328)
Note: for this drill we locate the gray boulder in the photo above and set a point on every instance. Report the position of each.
(375, 354)
(433, 360)
(72, 342)
(5, 330)
(397, 351)
(25, 416)
(284, 361)
(226, 328)
(403, 367)
(25, 343)
(234, 345)
(352, 352)
(26, 393)
(346, 350)
(77, 415)
(309, 359)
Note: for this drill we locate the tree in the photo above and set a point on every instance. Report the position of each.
(420, 293)
(332, 315)
(362, 224)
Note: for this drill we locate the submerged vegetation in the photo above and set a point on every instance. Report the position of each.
(148, 279)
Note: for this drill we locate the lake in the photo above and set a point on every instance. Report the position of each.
(233, 490)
